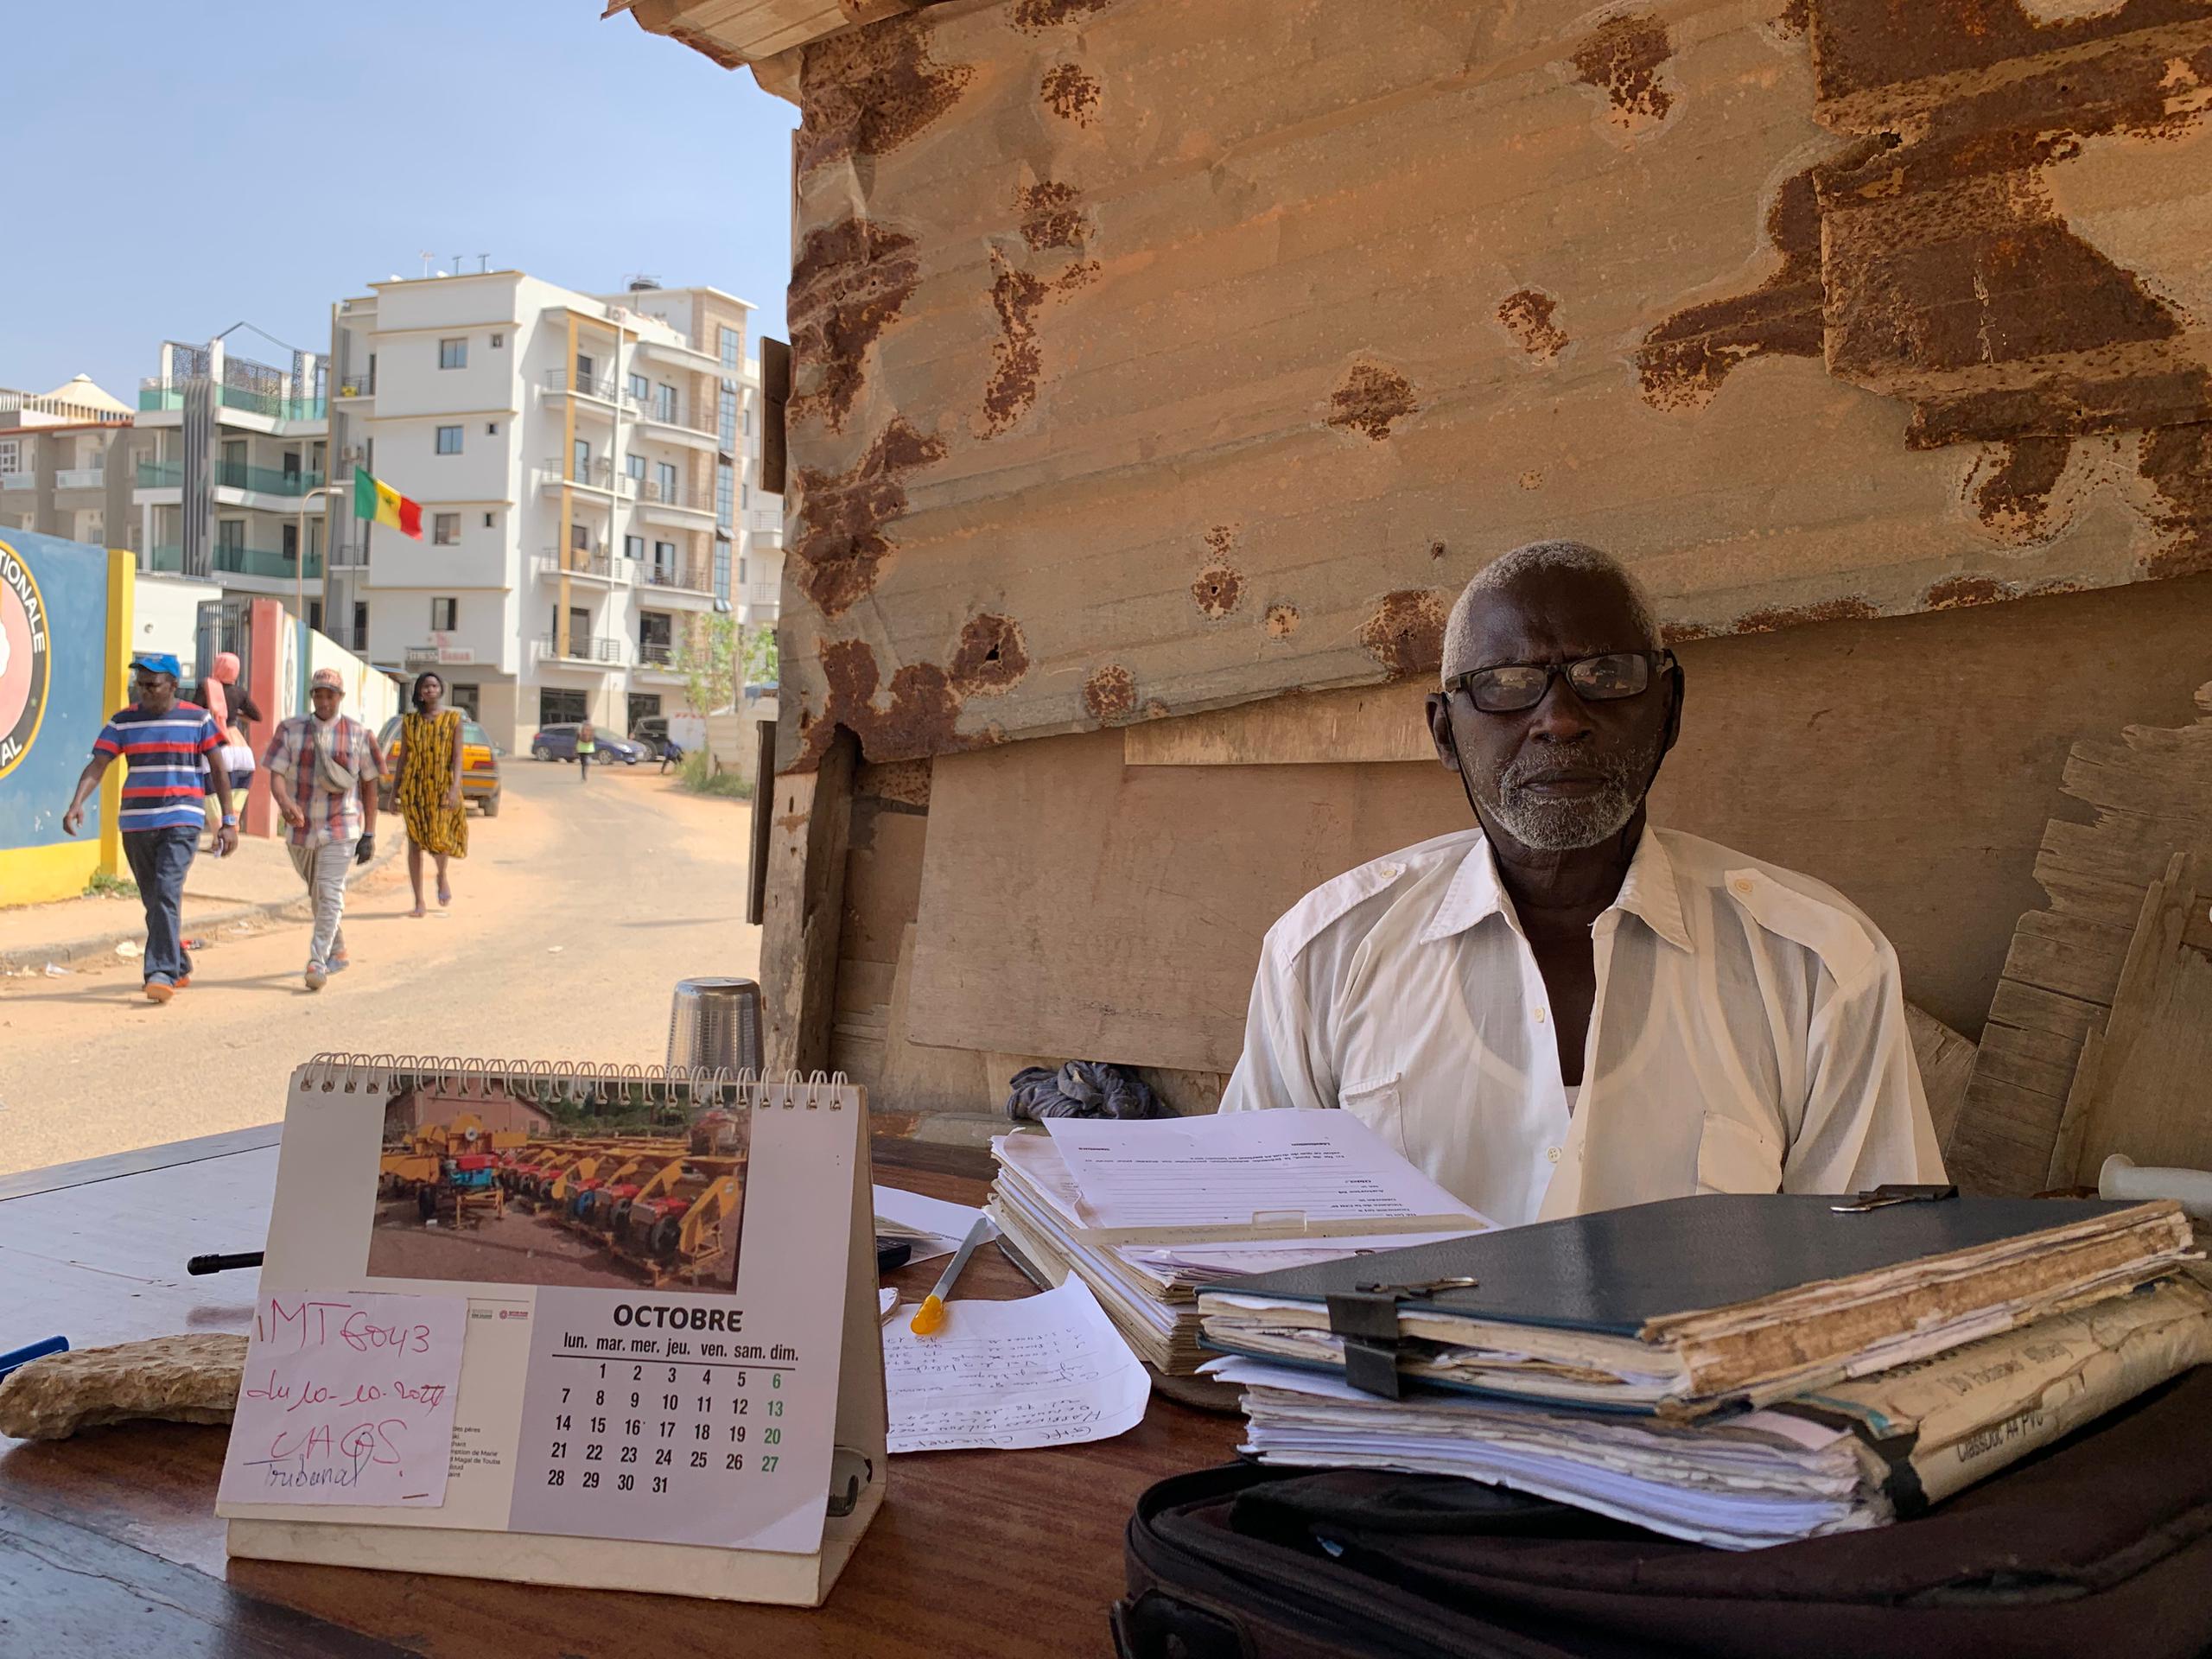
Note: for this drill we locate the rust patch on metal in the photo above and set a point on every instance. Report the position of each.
(2013, 498)
(706, 45)
(1958, 592)
(1406, 633)
(1282, 621)
(1527, 315)
(1532, 479)
(2177, 464)
(1217, 591)
(1794, 18)
(1773, 618)
(1071, 92)
(1437, 549)
(990, 658)
(1371, 399)
(1155, 709)
(1051, 216)
(869, 91)
(1035, 16)
(840, 543)
(1110, 694)
(903, 782)
(1017, 359)
(1622, 58)
(1678, 633)
(848, 284)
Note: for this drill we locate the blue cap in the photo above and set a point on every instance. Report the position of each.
(159, 662)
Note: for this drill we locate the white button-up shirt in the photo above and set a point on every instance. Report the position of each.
(1748, 1034)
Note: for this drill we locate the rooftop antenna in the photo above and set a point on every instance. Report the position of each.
(483, 263)
(426, 256)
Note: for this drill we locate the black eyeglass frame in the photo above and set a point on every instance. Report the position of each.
(1659, 662)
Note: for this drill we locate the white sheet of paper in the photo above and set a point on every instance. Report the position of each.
(346, 1398)
(1048, 1370)
(1236, 1168)
(885, 1301)
(933, 1227)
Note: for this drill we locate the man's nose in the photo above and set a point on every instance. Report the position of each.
(1560, 717)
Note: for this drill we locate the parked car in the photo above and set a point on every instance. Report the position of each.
(479, 766)
(559, 743)
(650, 734)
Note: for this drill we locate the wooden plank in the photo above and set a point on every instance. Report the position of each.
(805, 910)
(1076, 907)
(1323, 728)
(1946, 1062)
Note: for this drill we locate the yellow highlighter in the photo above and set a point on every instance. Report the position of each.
(928, 1318)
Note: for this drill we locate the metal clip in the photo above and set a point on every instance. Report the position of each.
(1428, 1287)
(1882, 1197)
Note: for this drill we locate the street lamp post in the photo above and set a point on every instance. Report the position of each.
(300, 577)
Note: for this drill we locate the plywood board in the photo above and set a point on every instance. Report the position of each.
(1073, 905)
(1155, 358)
(2154, 787)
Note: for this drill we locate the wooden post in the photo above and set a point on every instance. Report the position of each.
(808, 826)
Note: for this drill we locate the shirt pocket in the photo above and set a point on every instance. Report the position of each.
(1734, 1157)
(1377, 1105)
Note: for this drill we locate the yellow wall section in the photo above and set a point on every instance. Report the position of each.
(35, 876)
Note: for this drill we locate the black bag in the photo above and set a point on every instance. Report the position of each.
(2098, 1548)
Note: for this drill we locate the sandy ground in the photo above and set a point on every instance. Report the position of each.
(518, 1247)
(577, 910)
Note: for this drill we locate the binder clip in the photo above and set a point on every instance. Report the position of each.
(1882, 1197)
(1366, 1319)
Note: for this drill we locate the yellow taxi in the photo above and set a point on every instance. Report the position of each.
(479, 766)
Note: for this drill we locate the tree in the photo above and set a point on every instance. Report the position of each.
(707, 658)
(761, 659)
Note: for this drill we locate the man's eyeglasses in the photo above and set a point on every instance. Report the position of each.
(1509, 688)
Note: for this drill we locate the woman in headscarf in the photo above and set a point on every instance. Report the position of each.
(427, 790)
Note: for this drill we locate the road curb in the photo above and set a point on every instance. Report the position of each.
(298, 908)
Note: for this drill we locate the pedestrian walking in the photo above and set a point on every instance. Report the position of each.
(427, 791)
(671, 753)
(165, 741)
(323, 770)
(232, 707)
(587, 747)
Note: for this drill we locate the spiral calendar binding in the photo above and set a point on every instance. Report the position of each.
(544, 1081)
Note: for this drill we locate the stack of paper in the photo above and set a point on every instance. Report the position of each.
(1147, 1212)
(929, 1227)
(1855, 1455)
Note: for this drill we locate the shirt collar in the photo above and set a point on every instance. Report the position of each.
(1648, 892)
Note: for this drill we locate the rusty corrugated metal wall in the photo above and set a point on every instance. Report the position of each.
(1155, 355)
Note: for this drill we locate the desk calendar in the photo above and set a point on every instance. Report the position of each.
(671, 1375)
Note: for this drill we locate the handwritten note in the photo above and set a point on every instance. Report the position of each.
(346, 1398)
(1046, 1371)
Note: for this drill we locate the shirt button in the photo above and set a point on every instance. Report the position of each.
(1743, 886)
(1551, 1154)
(1540, 1016)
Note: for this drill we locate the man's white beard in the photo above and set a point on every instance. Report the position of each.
(1569, 825)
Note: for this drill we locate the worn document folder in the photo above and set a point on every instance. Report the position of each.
(1685, 1307)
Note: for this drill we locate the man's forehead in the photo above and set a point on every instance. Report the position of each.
(1551, 613)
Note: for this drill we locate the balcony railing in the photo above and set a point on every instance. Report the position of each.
(581, 649)
(17, 481)
(170, 559)
(268, 480)
(80, 478)
(582, 562)
(161, 474)
(674, 495)
(764, 521)
(655, 654)
(757, 594)
(600, 386)
(348, 555)
(685, 578)
(363, 385)
(263, 561)
(600, 475)
(279, 406)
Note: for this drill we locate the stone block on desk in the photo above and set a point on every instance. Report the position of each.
(186, 1379)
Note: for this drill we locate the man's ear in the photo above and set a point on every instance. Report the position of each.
(1440, 730)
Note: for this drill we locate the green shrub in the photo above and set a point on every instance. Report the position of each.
(701, 778)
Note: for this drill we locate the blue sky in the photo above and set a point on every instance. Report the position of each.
(182, 167)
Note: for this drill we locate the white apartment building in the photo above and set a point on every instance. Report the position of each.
(584, 465)
(229, 471)
(65, 463)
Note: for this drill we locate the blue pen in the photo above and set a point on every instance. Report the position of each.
(9, 1362)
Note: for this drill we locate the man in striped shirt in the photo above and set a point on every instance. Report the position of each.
(166, 741)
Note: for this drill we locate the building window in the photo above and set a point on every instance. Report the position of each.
(585, 369)
(725, 493)
(726, 416)
(498, 341)
(491, 521)
(231, 533)
(453, 353)
(491, 428)
(444, 615)
(732, 342)
(580, 462)
(722, 571)
(11, 455)
(748, 420)
(664, 480)
(445, 529)
(640, 389)
(633, 546)
(315, 614)
(635, 465)
(448, 439)
(361, 625)
(469, 699)
(289, 540)
(664, 404)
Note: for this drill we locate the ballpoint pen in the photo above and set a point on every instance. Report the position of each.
(930, 1316)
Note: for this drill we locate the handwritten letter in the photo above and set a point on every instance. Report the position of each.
(346, 1398)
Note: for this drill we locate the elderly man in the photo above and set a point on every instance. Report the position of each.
(1561, 1009)
(323, 771)
(165, 741)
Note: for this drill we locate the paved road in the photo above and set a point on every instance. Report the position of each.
(579, 908)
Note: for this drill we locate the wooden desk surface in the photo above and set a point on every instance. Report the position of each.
(108, 1542)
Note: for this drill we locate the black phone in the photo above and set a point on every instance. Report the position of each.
(891, 1252)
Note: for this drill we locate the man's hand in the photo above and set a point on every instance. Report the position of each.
(73, 820)
(366, 851)
(227, 841)
(294, 816)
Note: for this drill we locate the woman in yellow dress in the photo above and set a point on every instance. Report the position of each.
(427, 792)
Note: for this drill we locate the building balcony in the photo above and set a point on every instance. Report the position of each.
(18, 480)
(161, 474)
(592, 654)
(600, 389)
(81, 478)
(679, 578)
(764, 521)
(599, 477)
(349, 555)
(676, 496)
(360, 386)
(656, 653)
(162, 560)
(265, 480)
(271, 562)
(156, 395)
(671, 425)
(583, 565)
(759, 595)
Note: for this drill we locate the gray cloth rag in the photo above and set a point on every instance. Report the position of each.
(1080, 1089)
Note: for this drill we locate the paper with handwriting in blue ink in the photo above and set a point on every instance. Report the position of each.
(346, 1398)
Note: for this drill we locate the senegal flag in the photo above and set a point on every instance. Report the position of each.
(377, 502)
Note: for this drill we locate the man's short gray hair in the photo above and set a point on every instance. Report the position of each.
(1533, 559)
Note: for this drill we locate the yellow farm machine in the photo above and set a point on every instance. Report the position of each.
(449, 1169)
